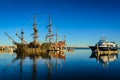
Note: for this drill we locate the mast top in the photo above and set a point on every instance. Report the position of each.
(35, 24)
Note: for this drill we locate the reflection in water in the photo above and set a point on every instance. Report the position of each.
(4, 55)
(105, 59)
(56, 66)
(35, 56)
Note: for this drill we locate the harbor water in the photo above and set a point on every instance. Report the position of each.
(74, 65)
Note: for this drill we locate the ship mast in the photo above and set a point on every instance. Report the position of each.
(65, 38)
(56, 36)
(50, 35)
(22, 38)
(35, 34)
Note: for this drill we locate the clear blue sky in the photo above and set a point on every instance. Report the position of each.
(82, 21)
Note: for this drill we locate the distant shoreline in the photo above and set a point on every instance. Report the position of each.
(79, 47)
(84, 47)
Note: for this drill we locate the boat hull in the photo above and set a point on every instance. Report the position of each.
(94, 48)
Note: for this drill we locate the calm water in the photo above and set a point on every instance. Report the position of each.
(77, 65)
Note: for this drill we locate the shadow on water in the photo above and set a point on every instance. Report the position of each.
(48, 56)
(105, 59)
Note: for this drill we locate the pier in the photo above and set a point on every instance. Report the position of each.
(107, 52)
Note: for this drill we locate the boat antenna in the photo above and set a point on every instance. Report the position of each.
(103, 39)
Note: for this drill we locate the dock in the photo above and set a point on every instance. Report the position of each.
(107, 52)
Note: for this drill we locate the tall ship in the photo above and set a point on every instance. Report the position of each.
(104, 45)
(35, 46)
